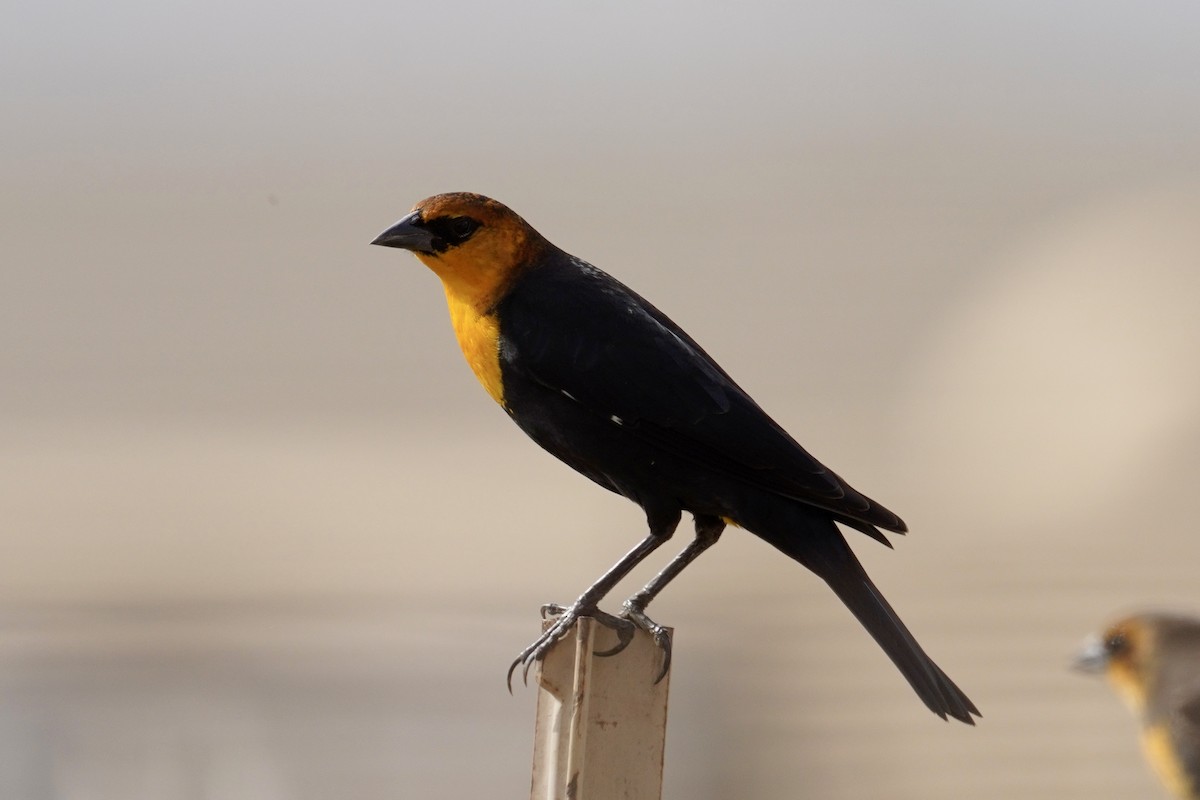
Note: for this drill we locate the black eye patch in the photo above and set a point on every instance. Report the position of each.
(452, 231)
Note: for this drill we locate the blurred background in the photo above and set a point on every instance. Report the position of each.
(264, 537)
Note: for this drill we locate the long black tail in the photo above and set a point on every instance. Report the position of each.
(932, 685)
(826, 553)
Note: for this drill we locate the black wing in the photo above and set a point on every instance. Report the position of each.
(626, 360)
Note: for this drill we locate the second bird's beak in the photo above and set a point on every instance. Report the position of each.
(1092, 657)
(408, 234)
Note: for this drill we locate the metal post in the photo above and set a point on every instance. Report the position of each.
(601, 721)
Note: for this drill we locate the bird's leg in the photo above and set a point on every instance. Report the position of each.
(708, 531)
(586, 604)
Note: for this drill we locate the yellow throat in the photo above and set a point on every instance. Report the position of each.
(479, 337)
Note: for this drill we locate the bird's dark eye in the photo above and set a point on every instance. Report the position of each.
(459, 229)
(462, 227)
(451, 231)
(1116, 643)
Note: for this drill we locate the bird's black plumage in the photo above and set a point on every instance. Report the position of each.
(573, 330)
(606, 382)
(630, 400)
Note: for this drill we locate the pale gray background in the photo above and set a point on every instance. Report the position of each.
(264, 537)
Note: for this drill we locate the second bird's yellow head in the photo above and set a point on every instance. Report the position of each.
(1124, 654)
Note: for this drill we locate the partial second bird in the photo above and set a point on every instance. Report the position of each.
(606, 382)
(1152, 661)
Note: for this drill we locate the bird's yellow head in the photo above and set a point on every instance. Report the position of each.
(476, 245)
(1123, 654)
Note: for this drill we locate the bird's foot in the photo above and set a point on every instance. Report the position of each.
(567, 616)
(633, 612)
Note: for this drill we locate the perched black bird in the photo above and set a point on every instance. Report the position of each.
(611, 386)
(1153, 663)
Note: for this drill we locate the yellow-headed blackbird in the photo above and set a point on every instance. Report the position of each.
(1153, 663)
(611, 386)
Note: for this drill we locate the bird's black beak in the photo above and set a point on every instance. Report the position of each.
(1092, 657)
(409, 233)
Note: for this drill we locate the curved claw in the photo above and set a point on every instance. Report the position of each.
(638, 617)
(622, 627)
(508, 677)
(557, 630)
(525, 660)
(525, 671)
(665, 645)
(534, 652)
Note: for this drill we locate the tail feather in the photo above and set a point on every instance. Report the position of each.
(934, 687)
(823, 549)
